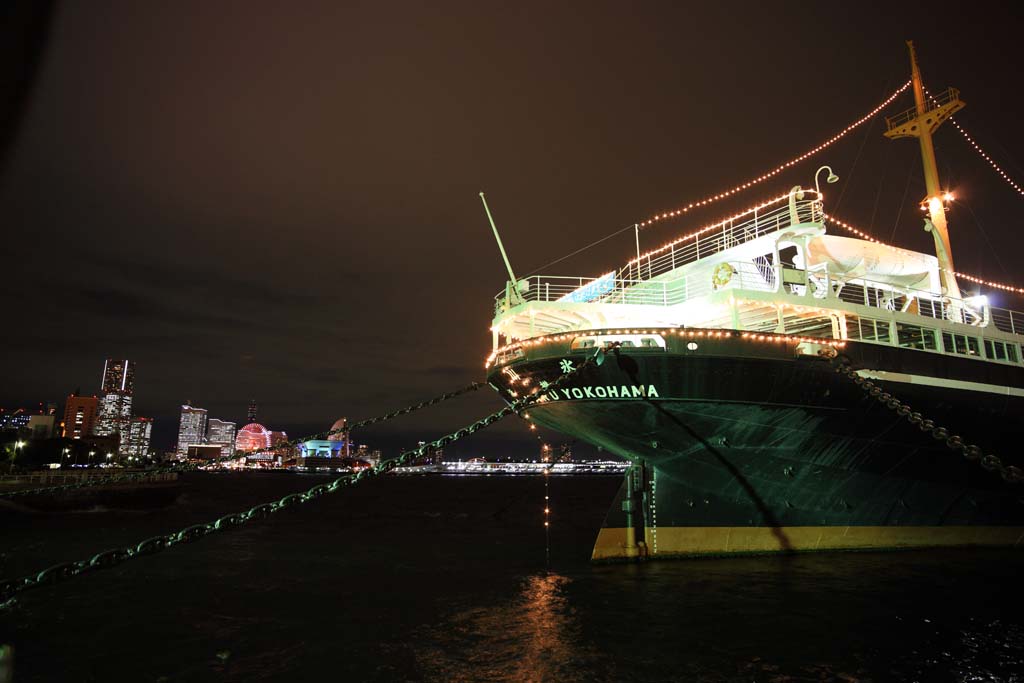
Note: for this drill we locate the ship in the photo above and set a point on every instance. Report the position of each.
(777, 387)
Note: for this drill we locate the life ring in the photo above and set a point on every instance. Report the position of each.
(722, 274)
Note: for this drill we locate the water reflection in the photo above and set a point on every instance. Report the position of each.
(535, 637)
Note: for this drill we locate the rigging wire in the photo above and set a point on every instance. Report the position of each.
(984, 234)
(770, 174)
(903, 202)
(592, 244)
(860, 150)
(991, 162)
(710, 199)
(881, 184)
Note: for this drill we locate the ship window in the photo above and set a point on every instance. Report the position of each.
(867, 329)
(621, 340)
(959, 343)
(998, 350)
(915, 337)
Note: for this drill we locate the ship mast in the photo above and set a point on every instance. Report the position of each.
(920, 122)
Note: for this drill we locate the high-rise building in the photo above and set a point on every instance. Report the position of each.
(221, 433)
(192, 428)
(41, 426)
(13, 420)
(434, 456)
(79, 416)
(115, 410)
(139, 432)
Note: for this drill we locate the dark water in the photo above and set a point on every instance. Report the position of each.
(444, 579)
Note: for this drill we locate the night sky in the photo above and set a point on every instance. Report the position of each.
(279, 200)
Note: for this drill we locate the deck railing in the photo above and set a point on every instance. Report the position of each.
(758, 277)
(941, 99)
(731, 234)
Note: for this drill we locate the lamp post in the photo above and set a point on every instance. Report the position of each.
(832, 178)
(18, 445)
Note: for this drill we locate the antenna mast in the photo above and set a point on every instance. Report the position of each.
(513, 283)
(920, 122)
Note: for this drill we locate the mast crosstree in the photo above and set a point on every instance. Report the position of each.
(921, 122)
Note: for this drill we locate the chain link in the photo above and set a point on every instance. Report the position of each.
(992, 463)
(10, 588)
(188, 467)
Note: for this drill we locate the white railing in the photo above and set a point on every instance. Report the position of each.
(760, 277)
(731, 235)
(943, 98)
(1008, 321)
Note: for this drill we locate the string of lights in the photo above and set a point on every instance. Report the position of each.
(708, 228)
(689, 333)
(986, 157)
(981, 152)
(778, 169)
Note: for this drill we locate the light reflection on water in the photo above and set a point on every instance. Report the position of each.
(533, 637)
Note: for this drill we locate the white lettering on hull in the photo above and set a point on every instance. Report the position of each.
(625, 391)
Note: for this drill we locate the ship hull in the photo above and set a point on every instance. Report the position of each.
(750, 446)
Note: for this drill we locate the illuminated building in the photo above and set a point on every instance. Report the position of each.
(79, 416)
(321, 448)
(191, 428)
(13, 420)
(221, 433)
(434, 456)
(252, 437)
(255, 437)
(115, 410)
(364, 453)
(139, 432)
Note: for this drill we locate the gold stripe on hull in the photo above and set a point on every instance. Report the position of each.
(612, 543)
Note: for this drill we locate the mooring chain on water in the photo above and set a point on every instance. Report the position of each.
(9, 589)
(992, 463)
(187, 467)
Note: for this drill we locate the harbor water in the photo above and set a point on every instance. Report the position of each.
(443, 578)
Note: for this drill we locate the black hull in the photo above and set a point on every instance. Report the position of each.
(748, 445)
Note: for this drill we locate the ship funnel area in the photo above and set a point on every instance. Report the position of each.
(921, 122)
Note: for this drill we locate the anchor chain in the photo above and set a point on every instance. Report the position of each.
(179, 468)
(972, 452)
(10, 588)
